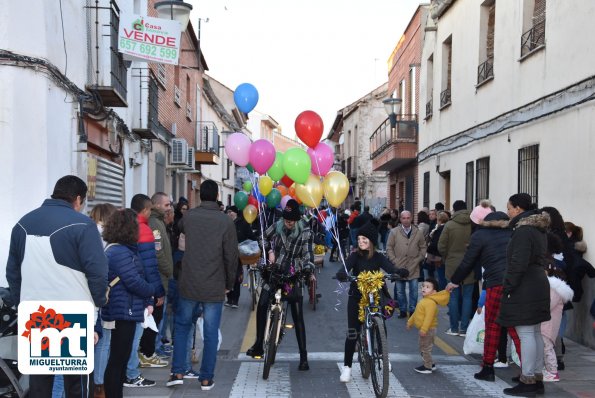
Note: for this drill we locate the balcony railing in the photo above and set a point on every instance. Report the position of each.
(533, 38)
(429, 108)
(445, 98)
(384, 136)
(208, 138)
(485, 71)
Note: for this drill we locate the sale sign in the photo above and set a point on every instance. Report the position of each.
(151, 39)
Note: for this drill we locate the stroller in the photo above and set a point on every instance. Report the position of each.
(11, 380)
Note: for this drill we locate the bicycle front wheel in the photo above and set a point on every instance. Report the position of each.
(270, 350)
(379, 348)
(362, 354)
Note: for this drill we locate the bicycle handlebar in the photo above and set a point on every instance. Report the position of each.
(352, 278)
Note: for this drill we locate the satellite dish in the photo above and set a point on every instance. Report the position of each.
(341, 139)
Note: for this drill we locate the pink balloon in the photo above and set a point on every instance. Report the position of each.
(284, 200)
(322, 159)
(262, 155)
(237, 148)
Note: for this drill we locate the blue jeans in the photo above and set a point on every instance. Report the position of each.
(58, 388)
(132, 368)
(442, 281)
(459, 307)
(162, 327)
(187, 311)
(189, 344)
(101, 356)
(401, 295)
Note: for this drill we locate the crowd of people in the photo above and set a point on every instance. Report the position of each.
(163, 270)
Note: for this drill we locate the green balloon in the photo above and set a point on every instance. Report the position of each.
(297, 165)
(240, 200)
(250, 168)
(276, 171)
(273, 198)
(247, 186)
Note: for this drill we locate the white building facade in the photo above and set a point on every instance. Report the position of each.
(508, 89)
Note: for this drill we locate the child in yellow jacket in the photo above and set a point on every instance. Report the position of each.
(425, 318)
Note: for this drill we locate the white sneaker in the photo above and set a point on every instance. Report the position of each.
(345, 375)
(498, 364)
(450, 332)
(550, 377)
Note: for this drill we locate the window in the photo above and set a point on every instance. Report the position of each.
(445, 95)
(188, 89)
(430, 86)
(485, 70)
(119, 73)
(412, 98)
(469, 183)
(426, 202)
(529, 171)
(482, 179)
(533, 37)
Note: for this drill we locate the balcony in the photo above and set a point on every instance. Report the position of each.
(429, 108)
(485, 71)
(391, 148)
(445, 98)
(533, 39)
(150, 128)
(207, 143)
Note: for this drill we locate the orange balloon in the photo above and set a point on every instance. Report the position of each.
(282, 189)
(291, 191)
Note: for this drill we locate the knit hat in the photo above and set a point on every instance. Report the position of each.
(479, 212)
(369, 231)
(291, 211)
(232, 208)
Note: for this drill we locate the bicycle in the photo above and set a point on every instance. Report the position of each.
(371, 345)
(277, 314)
(253, 277)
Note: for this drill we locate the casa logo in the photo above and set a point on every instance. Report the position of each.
(56, 337)
(139, 24)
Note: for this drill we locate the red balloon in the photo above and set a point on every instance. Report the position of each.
(309, 128)
(253, 201)
(287, 181)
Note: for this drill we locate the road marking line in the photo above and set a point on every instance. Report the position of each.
(445, 347)
(462, 377)
(249, 381)
(338, 356)
(250, 334)
(360, 387)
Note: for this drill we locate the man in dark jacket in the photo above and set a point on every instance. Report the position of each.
(56, 253)
(487, 248)
(208, 273)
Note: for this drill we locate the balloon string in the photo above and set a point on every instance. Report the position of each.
(254, 181)
(333, 231)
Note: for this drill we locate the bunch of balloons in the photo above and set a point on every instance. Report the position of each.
(276, 177)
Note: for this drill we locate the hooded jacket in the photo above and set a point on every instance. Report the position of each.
(560, 294)
(453, 242)
(487, 248)
(425, 316)
(148, 255)
(526, 291)
(165, 262)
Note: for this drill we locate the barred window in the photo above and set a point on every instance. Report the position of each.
(469, 184)
(482, 179)
(426, 189)
(528, 173)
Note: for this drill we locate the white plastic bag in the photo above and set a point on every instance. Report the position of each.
(249, 248)
(475, 335)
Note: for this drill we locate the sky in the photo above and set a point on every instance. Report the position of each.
(318, 55)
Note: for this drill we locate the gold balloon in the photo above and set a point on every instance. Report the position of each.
(311, 192)
(265, 185)
(336, 187)
(250, 212)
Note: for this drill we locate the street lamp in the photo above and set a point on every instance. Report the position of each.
(175, 10)
(393, 108)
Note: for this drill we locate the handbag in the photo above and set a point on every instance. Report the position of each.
(387, 303)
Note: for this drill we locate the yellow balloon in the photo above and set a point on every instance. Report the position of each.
(311, 192)
(336, 188)
(265, 185)
(250, 213)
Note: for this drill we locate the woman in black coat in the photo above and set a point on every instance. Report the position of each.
(526, 293)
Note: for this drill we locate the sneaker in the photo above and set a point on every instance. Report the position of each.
(450, 332)
(463, 334)
(227, 304)
(206, 385)
(191, 374)
(139, 381)
(498, 364)
(151, 362)
(423, 369)
(345, 375)
(234, 305)
(161, 353)
(550, 377)
(175, 380)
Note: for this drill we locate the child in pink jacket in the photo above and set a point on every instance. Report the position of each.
(560, 293)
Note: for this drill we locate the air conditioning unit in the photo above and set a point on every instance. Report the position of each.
(179, 151)
(177, 95)
(190, 159)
